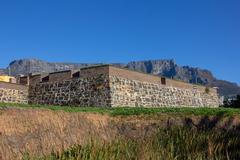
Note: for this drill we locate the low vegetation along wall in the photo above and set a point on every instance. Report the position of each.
(13, 93)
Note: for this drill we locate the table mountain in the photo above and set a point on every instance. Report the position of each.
(167, 68)
(26, 66)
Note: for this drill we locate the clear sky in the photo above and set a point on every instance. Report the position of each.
(200, 33)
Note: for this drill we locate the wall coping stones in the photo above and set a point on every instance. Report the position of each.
(8, 85)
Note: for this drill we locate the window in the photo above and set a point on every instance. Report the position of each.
(23, 80)
(163, 80)
(76, 75)
(45, 79)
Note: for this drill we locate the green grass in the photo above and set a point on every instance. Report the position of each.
(134, 110)
(168, 144)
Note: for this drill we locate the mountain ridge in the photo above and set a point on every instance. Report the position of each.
(167, 67)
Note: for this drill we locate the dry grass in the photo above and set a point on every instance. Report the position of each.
(168, 144)
(124, 133)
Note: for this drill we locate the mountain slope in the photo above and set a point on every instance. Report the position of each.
(26, 66)
(167, 68)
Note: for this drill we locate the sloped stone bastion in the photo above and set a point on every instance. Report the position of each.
(108, 86)
(13, 93)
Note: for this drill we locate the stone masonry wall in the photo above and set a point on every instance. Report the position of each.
(83, 91)
(13, 93)
(107, 86)
(134, 93)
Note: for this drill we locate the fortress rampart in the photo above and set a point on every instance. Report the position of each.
(108, 86)
(137, 89)
(86, 87)
(13, 93)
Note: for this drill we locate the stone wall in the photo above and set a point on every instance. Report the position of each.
(85, 91)
(107, 86)
(13, 93)
(135, 93)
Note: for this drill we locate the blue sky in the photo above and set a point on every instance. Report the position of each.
(200, 33)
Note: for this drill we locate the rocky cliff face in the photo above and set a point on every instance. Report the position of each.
(26, 66)
(167, 68)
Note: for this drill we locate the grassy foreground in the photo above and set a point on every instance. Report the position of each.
(133, 111)
(168, 144)
(171, 143)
